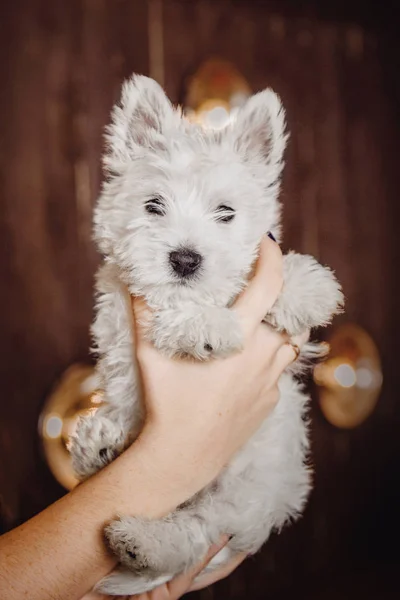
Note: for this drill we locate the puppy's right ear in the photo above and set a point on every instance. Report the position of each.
(138, 122)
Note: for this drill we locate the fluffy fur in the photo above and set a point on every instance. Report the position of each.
(187, 174)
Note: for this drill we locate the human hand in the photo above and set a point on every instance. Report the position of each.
(187, 582)
(199, 414)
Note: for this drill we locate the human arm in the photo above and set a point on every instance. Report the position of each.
(60, 554)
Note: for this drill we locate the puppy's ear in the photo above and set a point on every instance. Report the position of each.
(138, 121)
(260, 129)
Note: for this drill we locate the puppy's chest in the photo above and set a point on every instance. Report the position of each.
(256, 454)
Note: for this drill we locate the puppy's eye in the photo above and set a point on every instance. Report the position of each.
(225, 214)
(155, 206)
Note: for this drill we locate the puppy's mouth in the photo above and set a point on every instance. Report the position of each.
(186, 280)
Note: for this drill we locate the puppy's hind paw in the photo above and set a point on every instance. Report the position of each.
(97, 442)
(127, 539)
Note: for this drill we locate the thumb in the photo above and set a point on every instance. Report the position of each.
(141, 317)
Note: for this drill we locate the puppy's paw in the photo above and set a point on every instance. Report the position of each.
(124, 538)
(158, 546)
(97, 442)
(220, 334)
(311, 296)
(201, 334)
(139, 544)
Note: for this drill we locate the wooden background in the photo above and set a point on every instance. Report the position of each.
(336, 65)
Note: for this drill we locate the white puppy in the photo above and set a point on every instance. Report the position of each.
(179, 221)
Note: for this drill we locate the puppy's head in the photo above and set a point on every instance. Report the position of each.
(183, 208)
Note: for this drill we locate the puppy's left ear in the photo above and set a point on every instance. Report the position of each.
(260, 129)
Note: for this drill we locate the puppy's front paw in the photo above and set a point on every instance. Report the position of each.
(97, 442)
(220, 334)
(311, 296)
(199, 333)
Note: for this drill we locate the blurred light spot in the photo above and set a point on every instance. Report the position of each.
(345, 375)
(53, 426)
(216, 118)
(365, 378)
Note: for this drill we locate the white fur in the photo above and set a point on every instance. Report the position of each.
(153, 151)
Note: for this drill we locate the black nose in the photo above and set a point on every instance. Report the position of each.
(185, 262)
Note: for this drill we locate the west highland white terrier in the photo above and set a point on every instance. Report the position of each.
(179, 221)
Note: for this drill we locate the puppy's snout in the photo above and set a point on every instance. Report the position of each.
(185, 262)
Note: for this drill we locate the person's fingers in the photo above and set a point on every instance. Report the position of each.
(213, 551)
(288, 352)
(267, 340)
(141, 318)
(217, 575)
(181, 584)
(260, 295)
(93, 596)
(141, 311)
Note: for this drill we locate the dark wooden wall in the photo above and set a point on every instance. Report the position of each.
(61, 65)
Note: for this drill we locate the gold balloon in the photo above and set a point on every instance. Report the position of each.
(76, 394)
(350, 380)
(213, 91)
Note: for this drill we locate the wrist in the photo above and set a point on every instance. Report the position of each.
(177, 468)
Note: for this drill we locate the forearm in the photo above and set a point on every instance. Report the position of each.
(60, 554)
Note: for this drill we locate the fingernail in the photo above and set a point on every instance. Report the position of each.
(271, 236)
